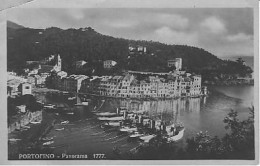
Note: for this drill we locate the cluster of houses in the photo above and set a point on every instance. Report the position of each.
(128, 85)
(177, 63)
(137, 49)
(37, 76)
(152, 85)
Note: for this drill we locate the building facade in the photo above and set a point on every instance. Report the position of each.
(177, 62)
(108, 64)
(128, 86)
(25, 88)
(72, 83)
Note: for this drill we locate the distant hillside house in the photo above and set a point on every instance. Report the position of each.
(108, 64)
(141, 49)
(177, 62)
(80, 64)
(50, 58)
(131, 48)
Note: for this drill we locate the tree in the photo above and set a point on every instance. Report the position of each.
(238, 143)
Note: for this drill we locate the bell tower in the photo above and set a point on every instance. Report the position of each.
(58, 63)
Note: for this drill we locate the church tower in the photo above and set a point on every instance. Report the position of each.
(57, 66)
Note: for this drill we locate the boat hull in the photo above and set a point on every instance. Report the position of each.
(176, 137)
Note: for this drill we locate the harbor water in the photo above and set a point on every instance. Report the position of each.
(84, 134)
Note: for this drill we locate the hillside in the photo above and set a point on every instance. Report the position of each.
(86, 44)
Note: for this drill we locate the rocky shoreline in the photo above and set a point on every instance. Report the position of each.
(29, 138)
(229, 83)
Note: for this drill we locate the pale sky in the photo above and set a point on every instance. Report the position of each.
(222, 31)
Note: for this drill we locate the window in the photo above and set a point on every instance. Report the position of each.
(27, 87)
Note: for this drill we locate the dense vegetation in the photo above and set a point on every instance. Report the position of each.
(238, 143)
(86, 44)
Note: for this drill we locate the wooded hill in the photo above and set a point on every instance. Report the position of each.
(86, 44)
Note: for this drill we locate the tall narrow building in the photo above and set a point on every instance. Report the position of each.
(57, 66)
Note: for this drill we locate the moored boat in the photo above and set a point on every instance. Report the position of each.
(70, 113)
(147, 138)
(71, 98)
(49, 106)
(128, 129)
(176, 137)
(36, 122)
(47, 138)
(14, 139)
(60, 129)
(48, 143)
(113, 124)
(64, 122)
(117, 118)
(85, 102)
(106, 114)
(136, 135)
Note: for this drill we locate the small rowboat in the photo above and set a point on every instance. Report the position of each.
(60, 129)
(47, 143)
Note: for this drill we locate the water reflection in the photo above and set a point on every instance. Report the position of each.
(168, 111)
(205, 113)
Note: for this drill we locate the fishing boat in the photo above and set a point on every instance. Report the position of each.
(64, 122)
(48, 143)
(113, 124)
(60, 129)
(49, 106)
(117, 118)
(84, 102)
(26, 127)
(78, 104)
(136, 135)
(36, 122)
(38, 101)
(71, 98)
(128, 129)
(147, 138)
(47, 138)
(176, 137)
(14, 139)
(70, 113)
(106, 114)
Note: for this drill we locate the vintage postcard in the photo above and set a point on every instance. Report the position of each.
(130, 82)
